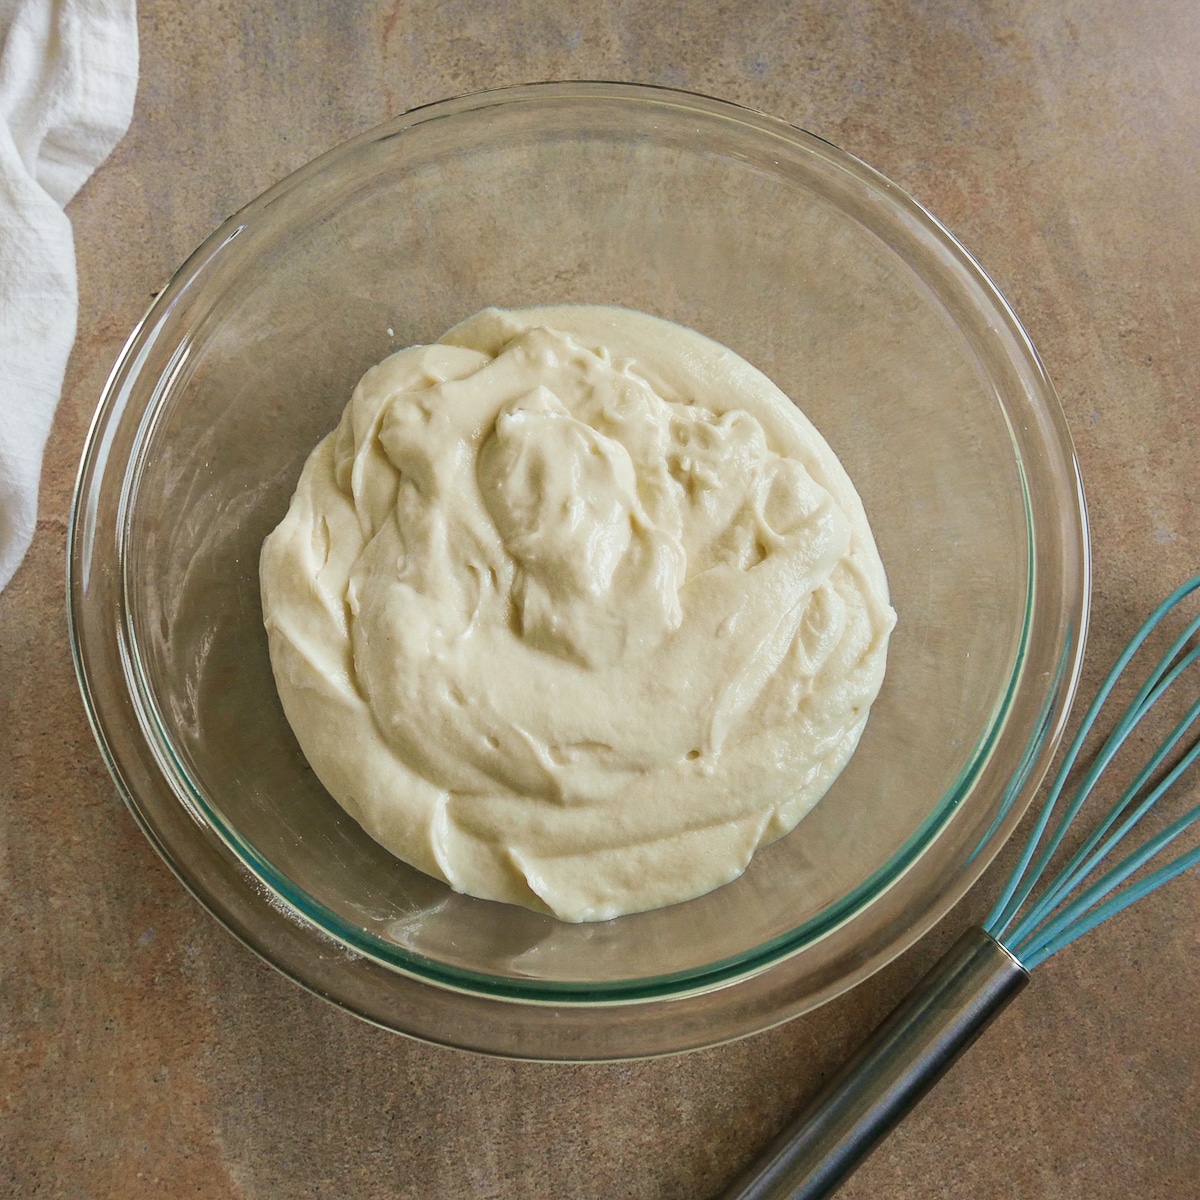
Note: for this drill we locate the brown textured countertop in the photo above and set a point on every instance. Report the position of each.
(146, 1054)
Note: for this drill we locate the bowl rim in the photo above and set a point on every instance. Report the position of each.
(406, 968)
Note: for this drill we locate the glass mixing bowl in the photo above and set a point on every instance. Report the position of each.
(804, 261)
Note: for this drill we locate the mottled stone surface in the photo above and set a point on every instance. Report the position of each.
(145, 1053)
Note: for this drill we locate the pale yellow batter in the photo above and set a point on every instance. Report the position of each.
(575, 610)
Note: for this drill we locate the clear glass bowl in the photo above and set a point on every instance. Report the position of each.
(804, 261)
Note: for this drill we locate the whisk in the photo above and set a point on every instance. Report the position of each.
(989, 965)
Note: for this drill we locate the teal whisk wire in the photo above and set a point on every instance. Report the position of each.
(1084, 860)
(1074, 872)
(1058, 916)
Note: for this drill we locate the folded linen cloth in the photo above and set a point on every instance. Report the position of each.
(68, 73)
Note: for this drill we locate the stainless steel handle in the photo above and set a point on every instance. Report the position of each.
(890, 1072)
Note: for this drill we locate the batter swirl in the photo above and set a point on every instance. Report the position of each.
(575, 609)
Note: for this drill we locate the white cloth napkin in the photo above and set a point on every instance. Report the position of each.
(68, 73)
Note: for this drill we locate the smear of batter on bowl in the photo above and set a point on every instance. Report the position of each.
(575, 609)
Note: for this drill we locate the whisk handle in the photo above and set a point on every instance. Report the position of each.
(891, 1071)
